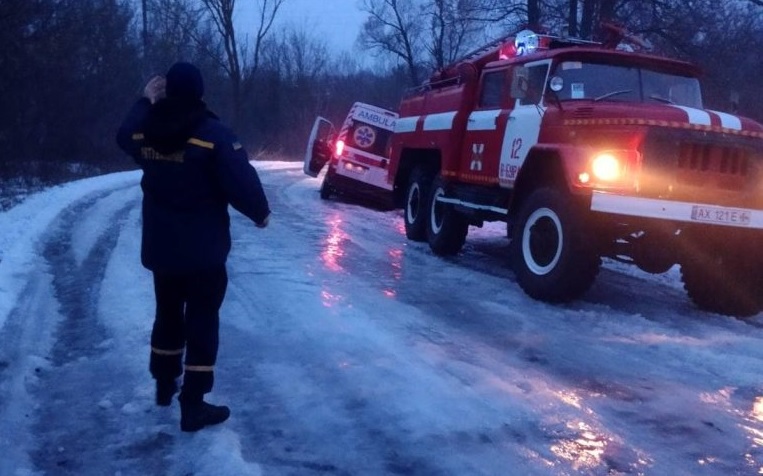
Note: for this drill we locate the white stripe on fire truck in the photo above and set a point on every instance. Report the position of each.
(696, 116)
(406, 124)
(667, 210)
(729, 121)
(483, 120)
(439, 122)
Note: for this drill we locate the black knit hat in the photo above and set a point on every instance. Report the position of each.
(184, 82)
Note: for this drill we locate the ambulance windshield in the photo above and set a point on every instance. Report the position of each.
(600, 82)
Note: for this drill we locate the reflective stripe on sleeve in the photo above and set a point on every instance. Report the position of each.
(201, 143)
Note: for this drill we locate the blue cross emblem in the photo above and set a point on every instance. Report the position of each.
(364, 136)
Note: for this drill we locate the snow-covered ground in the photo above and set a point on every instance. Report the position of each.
(347, 350)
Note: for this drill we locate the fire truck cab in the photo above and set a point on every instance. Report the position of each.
(587, 151)
(356, 154)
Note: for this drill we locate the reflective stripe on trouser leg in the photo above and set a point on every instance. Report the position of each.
(166, 364)
(197, 382)
(168, 334)
(206, 291)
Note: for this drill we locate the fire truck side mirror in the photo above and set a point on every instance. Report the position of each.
(520, 82)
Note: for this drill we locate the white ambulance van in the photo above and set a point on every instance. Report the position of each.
(356, 154)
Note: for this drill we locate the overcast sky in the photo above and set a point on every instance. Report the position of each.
(337, 21)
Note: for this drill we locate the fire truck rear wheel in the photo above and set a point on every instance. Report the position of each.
(446, 228)
(723, 281)
(553, 258)
(416, 206)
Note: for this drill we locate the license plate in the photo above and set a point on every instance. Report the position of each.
(721, 216)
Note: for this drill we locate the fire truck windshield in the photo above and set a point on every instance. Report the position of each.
(575, 80)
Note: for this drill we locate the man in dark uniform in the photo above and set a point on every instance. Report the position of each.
(193, 168)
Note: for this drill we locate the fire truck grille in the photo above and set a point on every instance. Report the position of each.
(703, 168)
(712, 159)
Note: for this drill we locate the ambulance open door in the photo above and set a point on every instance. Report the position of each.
(319, 147)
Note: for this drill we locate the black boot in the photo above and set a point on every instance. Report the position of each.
(165, 390)
(196, 415)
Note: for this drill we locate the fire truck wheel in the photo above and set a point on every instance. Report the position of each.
(553, 259)
(723, 281)
(416, 206)
(446, 228)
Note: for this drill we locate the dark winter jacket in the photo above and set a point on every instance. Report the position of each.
(193, 168)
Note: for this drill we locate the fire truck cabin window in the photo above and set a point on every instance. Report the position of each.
(531, 83)
(621, 83)
(492, 86)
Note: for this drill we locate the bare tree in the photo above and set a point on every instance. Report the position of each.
(301, 58)
(572, 18)
(512, 12)
(173, 33)
(533, 12)
(429, 34)
(394, 27)
(452, 30)
(234, 62)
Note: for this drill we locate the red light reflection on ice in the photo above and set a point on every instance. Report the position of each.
(755, 434)
(400, 226)
(584, 451)
(396, 262)
(333, 245)
(757, 409)
(328, 299)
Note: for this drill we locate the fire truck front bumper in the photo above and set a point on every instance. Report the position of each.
(697, 213)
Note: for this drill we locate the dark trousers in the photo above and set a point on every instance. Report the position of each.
(187, 321)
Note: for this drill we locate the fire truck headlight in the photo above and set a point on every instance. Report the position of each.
(607, 167)
(614, 168)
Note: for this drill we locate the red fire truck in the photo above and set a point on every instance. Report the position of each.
(586, 151)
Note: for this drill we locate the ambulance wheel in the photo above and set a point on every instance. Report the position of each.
(416, 206)
(326, 188)
(553, 259)
(446, 228)
(723, 281)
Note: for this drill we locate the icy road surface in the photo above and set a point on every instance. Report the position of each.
(347, 350)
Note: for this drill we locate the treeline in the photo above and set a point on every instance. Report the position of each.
(69, 69)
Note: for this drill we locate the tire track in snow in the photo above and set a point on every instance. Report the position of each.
(75, 428)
